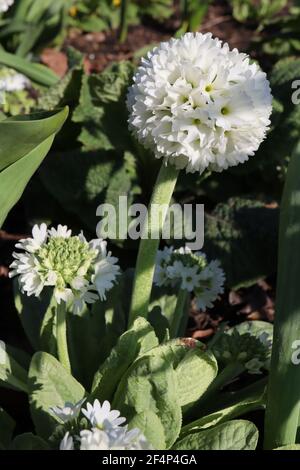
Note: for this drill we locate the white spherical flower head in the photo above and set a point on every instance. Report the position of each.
(79, 271)
(198, 104)
(68, 412)
(102, 416)
(5, 5)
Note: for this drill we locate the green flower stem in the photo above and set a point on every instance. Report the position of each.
(61, 336)
(179, 313)
(145, 266)
(124, 21)
(283, 402)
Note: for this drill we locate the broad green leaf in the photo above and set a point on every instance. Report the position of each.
(195, 373)
(7, 426)
(11, 373)
(78, 181)
(133, 343)
(233, 435)
(24, 143)
(93, 334)
(29, 441)
(102, 110)
(233, 405)
(147, 397)
(49, 385)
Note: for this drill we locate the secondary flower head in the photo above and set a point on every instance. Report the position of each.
(117, 439)
(191, 272)
(251, 350)
(68, 412)
(5, 5)
(198, 104)
(103, 431)
(79, 271)
(11, 81)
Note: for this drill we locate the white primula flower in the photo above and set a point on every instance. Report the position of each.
(68, 412)
(190, 271)
(5, 5)
(211, 285)
(67, 442)
(94, 439)
(80, 272)
(198, 104)
(102, 416)
(115, 439)
(11, 81)
(105, 431)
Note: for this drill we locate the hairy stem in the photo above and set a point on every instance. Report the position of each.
(180, 311)
(61, 336)
(149, 243)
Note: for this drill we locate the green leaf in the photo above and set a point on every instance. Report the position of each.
(195, 373)
(67, 90)
(133, 343)
(102, 110)
(233, 435)
(147, 397)
(92, 335)
(49, 385)
(24, 142)
(231, 405)
(29, 441)
(7, 426)
(78, 181)
(11, 373)
(243, 234)
(36, 72)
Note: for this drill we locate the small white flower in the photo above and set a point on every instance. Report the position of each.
(60, 231)
(11, 81)
(198, 104)
(68, 412)
(211, 285)
(102, 416)
(80, 272)
(5, 5)
(67, 442)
